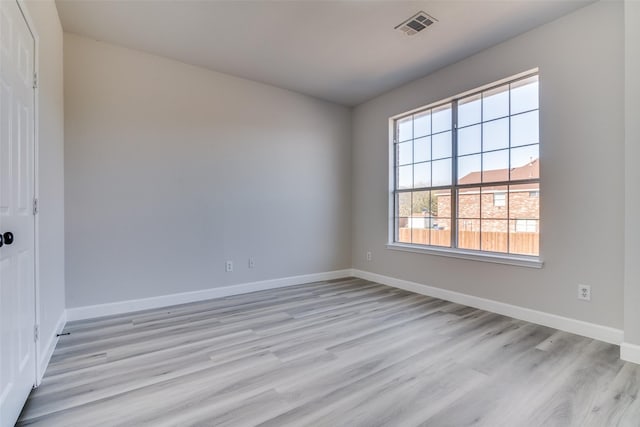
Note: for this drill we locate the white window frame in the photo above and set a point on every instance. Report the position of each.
(500, 201)
(525, 226)
(453, 252)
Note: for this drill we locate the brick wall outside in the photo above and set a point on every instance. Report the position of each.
(521, 205)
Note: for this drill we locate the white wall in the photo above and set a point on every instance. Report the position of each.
(632, 175)
(173, 169)
(51, 173)
(581, 58)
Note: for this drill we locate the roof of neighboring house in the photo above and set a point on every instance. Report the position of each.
(529, 171)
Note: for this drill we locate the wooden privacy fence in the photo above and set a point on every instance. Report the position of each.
(495, 241)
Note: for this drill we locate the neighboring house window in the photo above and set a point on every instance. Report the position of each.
(526, 226)
(466, 171)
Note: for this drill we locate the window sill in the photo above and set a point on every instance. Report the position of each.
(517, 260)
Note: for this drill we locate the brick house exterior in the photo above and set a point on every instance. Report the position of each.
(499, 209)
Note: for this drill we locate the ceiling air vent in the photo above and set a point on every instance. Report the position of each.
(416, 23)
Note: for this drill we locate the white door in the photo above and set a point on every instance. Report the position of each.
(17, 226)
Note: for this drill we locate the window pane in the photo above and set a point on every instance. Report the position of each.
(495, 135)
(469, 169)
(469, 234)
(495, 103)
(524, 129)
(524, 242)
(419, 234)
(469, 140)
(524, 162)
(403, 204)
(441, 203)
(422, 174)
(441, 118)
(405, 153)
(422, 124)
(421, 203)
(470, 110)
(469, 202)
(404, 129)
(405, 176)
(441, 233)
(494, 236)
(441, 173)
(524, 201)
(403, 231)
(421, 219)
(524, 214)
(524, 95)
(422, 149)
(441, 227)
(441, 145)
(494, 203)
(495, 166)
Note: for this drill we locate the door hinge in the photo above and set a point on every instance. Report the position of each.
(35, 206)
(36, 333)
(35, 80)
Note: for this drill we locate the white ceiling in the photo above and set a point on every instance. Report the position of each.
(342, 51)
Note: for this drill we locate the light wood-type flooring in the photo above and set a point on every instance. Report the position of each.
(341, 353)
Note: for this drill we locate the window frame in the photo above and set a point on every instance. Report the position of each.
(534, 261)
(502, 200)
(525, 223)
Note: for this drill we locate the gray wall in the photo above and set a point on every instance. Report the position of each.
(581, 59)
(632, 175)
(172, 169)
(51, 169)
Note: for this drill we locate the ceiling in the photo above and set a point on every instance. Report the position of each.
(342, 51)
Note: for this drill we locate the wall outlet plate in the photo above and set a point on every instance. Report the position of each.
(228, 266)
(584, 292)
(369, 256)
(252, 262)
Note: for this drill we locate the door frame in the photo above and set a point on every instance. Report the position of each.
(24, 9)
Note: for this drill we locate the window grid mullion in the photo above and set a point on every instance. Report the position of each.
(430, 163)
(396, 207)
(454, 175)
(481, 169)
(508, 186)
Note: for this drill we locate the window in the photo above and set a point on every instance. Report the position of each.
(466, 172)
(526, 226)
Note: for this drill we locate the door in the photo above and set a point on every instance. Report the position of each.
(17, 225)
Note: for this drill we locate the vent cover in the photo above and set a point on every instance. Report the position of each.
(416, 23)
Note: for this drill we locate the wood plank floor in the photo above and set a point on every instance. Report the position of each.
(341, 353)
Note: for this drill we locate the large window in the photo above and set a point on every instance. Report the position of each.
(466, 172)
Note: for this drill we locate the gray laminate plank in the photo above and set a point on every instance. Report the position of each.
(344, 352)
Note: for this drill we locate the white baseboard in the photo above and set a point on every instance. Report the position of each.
(630, 352)
(579, 327)
(45, 355)
(120, 307)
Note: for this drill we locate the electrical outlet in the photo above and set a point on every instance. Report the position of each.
(228, 267)
(369, 256)
(252, 262)
(584, 292)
